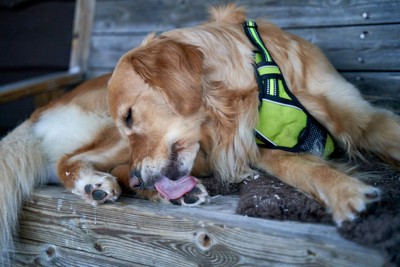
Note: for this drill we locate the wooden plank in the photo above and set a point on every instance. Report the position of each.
(151, 15)
(377, 50)
(384, 84)
(357, 48)
(309, 13)
(42, 84)
(380, 88)
(106, 50)
(83, 19)
(57, 228)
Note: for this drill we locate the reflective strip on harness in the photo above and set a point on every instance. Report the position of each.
(283, 122)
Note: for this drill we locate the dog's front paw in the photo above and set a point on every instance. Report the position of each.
(97, 188)
(351, 199)
(197, 196)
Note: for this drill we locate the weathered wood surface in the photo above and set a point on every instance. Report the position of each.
(360, 37)
(38, 85)
(80, 45)
(362, 48)
(58, 229)
(358, 48)
(121, 16)
(358, 44)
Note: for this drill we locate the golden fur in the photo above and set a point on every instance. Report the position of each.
(191, 93)
(73, 141)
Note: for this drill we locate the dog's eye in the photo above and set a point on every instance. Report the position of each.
(128, 118)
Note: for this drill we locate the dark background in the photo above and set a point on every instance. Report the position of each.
(35, 39)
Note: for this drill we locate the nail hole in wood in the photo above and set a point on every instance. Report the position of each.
(311, 253)
(50, 252)
(98, 247)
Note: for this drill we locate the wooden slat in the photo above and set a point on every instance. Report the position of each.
(380, 88)
(59, 229)
(106, 50)
(310, 13)
(83, 19)
(151, 15)
(358, 47)
(42, 84)
(377, 48)
(384, 84)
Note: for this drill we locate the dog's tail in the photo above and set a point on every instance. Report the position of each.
(22, 166)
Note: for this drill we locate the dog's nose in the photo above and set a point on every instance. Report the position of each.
(135, 180)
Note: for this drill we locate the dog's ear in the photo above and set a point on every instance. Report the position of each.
(173, 68)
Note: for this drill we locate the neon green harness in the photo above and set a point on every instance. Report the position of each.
(283, 122)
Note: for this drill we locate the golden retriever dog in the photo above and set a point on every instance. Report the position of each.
(73, 141)
(187, 100)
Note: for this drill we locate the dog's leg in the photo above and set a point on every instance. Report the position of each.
(83, 179)
(355, 124)
(197, 196)
(364, 127)
(382, 135)
(87, 171)
(343, 195)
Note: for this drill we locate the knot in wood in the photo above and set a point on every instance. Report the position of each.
(203, 240)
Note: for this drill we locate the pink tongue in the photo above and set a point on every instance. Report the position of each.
(175, 189)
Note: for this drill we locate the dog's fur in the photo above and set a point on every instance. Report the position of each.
(73, 141)
(187, 101)
(64, 139)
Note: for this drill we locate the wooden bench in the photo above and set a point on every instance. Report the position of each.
(58, 229)
(362, 39)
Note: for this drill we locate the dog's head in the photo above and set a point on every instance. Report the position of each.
(155, 98)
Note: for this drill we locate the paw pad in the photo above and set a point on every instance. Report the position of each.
(198, 195)
(98, 188)
(99, 194)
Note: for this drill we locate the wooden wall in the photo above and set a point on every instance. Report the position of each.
(360, 37)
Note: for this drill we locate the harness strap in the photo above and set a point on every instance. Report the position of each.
(283, 121)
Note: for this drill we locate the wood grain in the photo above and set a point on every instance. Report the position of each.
(57, 228)
(374, 47)
(360, 37)
(39, 85)
(379, 88)
(378, 50)
(80, 45)
(120, 15)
